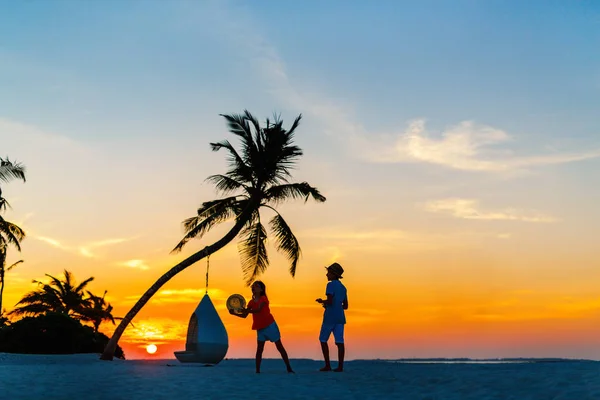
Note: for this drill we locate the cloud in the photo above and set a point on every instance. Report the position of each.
(469, 209)
(84, 250)
(155, 329)
(467, 146)
(187, 295)
(139, 264)
(53, 242)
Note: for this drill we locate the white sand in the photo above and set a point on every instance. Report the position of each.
(85, 377)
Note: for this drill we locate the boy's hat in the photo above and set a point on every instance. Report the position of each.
(336, 269)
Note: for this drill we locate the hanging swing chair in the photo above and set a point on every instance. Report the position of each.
(207, 342)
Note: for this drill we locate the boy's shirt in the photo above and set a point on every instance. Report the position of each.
(334, 313)
(263, 318)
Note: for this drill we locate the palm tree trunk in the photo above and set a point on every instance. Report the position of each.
(2, 274)
(1, 292)
(111, 346)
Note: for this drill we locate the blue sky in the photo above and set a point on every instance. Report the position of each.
(431, 126)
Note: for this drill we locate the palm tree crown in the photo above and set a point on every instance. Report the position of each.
(97, 311)
(59, 295)
(259, 175)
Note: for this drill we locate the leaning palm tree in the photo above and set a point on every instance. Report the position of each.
(97, 311)
(58, 295)
(257, 178)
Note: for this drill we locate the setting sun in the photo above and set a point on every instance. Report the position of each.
(151, 348)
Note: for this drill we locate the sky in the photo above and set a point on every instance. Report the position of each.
(457, 143)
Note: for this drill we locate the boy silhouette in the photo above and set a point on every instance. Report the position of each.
(334, 317)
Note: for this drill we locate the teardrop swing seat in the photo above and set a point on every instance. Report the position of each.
(207, 342)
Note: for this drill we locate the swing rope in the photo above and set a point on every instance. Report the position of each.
(207, 267)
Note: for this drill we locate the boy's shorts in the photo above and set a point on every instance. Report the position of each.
(328, 329)
(270, 333)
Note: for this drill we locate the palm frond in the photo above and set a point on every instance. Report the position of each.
(225, 184)
(4, 204)
(238, 125)
(210, 214)
(11, 233)
(286, 241)
(14, 265)
(30, 309)
(253, 251)
(83, 284)
(10, 170)
(280, 193)
(238, 168)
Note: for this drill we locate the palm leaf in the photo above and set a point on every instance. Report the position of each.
(83, 284)
(238, 168)
(253, 251)
(280, 193)
(225, 184)
(286, 241)
(11, 233)
(14, 265)
(210, 214)
(238, 125)
(11, 170)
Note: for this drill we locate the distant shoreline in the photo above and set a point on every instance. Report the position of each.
(437, 360)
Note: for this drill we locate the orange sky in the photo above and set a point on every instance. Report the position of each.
(462, 189)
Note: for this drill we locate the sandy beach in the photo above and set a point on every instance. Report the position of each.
(86, 377)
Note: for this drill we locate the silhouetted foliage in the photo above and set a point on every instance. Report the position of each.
(52, 333)
(10, 234)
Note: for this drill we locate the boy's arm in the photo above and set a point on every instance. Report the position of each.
(327, 301)
(345, 303)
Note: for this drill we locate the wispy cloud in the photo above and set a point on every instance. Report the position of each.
(187, 295)
(83, 250)
(155, 329)
(469, 209)
(466, 146)
(139, 264)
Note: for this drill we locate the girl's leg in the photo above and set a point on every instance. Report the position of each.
(260, 346)
(284, 355)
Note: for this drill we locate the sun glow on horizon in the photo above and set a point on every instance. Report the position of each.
(151, 348)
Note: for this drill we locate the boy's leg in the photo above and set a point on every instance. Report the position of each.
(260, 346)
(323, 338)
(284, 355)
(341, 353)
(325, 350)
(338, 335)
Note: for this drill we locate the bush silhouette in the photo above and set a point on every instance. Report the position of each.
(52, 333)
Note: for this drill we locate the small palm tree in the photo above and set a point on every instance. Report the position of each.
(257, 179)
(97, 311)
(59, 295)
